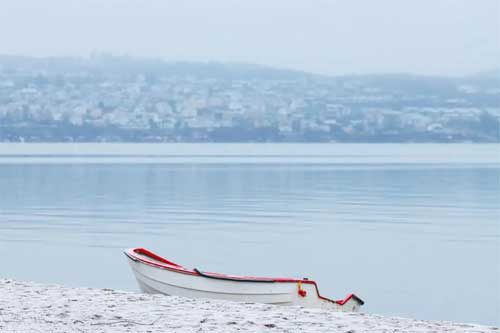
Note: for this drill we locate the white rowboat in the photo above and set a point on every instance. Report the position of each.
(159, 275)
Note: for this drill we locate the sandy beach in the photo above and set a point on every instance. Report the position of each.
(33, 307)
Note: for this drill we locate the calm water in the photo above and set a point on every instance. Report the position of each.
(413, 229)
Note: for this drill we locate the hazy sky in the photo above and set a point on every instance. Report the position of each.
(449, 37)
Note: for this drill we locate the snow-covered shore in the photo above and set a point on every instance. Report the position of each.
(32, 307)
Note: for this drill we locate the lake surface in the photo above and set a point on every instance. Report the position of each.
(412, 229)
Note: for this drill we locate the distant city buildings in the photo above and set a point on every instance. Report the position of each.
(93, 100)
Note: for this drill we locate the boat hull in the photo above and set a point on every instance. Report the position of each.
(158, 277)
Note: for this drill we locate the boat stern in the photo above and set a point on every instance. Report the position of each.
(351, 303)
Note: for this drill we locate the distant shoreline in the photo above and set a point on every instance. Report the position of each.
(340, 154)
(28, 306)
(123, 99)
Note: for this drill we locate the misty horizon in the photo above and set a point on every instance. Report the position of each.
(438, 38)
(103, 55)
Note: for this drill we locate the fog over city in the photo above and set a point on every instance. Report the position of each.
(254, 71)
(446, 37)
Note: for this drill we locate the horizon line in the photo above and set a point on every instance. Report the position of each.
(96, 55)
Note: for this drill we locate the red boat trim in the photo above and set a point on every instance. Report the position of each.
(158, 261)
(233, 278)
(348, 298)
(155, 257)
(163, 263)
